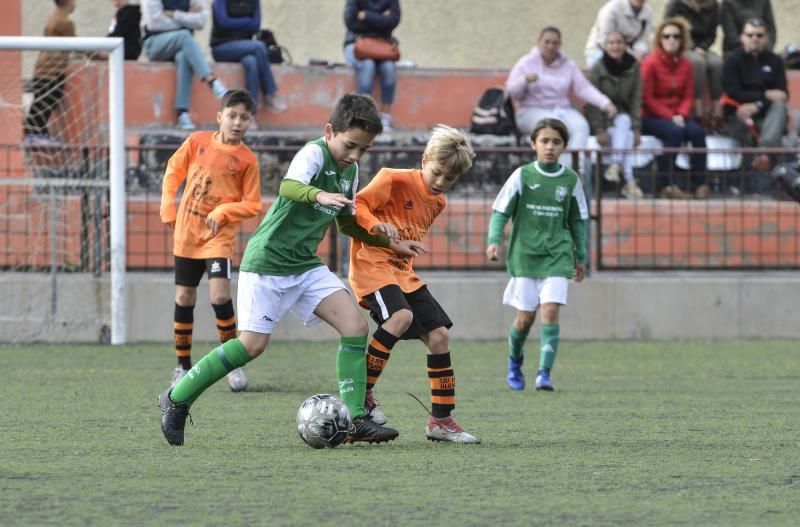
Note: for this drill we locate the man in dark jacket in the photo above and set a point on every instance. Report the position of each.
(755, 92)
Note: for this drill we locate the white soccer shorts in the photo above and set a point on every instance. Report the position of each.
(526, 294)
(263, 300)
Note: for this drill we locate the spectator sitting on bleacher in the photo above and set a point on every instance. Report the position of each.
(540, 83)
(734, 13)
(125, 24)
(235, 23)
(703, 19)
(617, 75)
(667, 100)
(373, 18)
(167, 26)
(632, 18)
(755, 92)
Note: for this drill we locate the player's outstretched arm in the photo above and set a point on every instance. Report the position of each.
(388, 229)
(409, 248)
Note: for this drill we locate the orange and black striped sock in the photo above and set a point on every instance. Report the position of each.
(183, 326)
(378, 351)
(226, 321)
(443, 384)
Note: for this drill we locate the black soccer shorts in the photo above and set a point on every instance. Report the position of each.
(189, 271)
(428, 314)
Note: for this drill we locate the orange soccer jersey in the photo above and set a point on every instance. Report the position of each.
(399, 197)
(222, 181)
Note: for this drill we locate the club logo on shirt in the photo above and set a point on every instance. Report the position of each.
(561, 193)
(409, 204)
(345, 185)
(232, 165)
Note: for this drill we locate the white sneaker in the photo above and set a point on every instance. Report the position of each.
(218, 89)
(386, 121)
(373, 409)
(612, 173)
(40, 140)
(237, 380)
(177, 375)
(447, 429)
(185, 122)
(632, 191)
(276, 103)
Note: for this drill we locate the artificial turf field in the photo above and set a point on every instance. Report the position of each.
(697, 433)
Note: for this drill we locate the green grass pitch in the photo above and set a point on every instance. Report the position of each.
(656, 434)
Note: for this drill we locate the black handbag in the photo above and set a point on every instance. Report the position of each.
(275, 51)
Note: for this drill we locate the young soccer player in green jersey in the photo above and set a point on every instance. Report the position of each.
(281, 271)
(547, 207)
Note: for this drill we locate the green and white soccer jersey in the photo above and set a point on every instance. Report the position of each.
(549, 213)
(286, 241)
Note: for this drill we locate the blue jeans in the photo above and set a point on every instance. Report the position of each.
(366, 70)
(253, 56)
(181, 47)
(674, 136)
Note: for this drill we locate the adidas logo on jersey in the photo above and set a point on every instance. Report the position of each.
(409, 204)
(216, 267)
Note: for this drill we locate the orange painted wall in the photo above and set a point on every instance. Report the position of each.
(650, 233)
(425, 97)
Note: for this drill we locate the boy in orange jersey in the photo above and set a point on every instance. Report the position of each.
(223, 187)
(402, 204)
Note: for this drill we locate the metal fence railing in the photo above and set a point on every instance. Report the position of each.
(746, 222)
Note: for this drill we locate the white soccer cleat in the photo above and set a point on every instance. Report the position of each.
(447, 429)
(237, 380)
(177, 375)
(373, 409)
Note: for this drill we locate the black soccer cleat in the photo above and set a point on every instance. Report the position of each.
(173, 418)
(367, 430)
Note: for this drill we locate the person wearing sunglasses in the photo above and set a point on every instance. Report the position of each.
(755, 97)
(667, 102)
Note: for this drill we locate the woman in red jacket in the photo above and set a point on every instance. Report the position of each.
(667, 101)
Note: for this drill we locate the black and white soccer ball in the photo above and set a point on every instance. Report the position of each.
(323, 421)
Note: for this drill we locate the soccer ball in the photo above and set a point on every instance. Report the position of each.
(323, 421)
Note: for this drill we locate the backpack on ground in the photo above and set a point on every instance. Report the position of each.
(494, 114)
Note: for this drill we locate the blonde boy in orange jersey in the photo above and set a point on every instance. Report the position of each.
(402, 204)
(223, 187)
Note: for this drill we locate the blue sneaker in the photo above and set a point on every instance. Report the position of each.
(515, 378)
(543, 381)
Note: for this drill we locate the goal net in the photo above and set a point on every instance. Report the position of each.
(62, 195)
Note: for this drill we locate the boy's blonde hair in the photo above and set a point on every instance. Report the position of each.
(451, 148)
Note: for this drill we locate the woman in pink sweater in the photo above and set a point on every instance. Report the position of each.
(541, 84)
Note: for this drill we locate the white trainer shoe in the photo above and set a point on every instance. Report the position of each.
(237, 380)
(218, 89)
(373, 409)
(177, 375)
(447, 429)
(185, 122)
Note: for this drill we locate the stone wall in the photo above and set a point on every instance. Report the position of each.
(461, 34)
